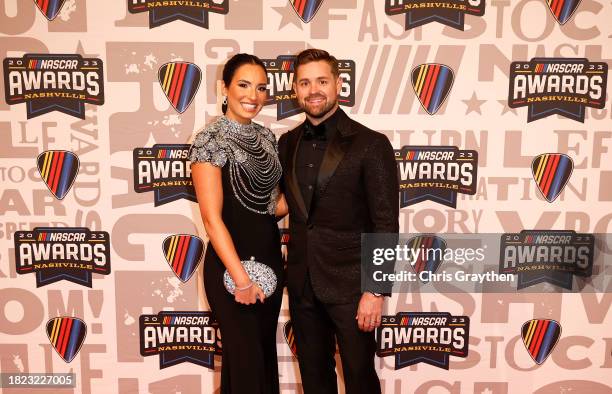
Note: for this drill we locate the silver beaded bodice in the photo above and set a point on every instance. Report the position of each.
(252, 155)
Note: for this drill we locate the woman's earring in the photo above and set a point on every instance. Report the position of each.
(224, 100)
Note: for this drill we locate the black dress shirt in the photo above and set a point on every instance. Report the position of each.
(310, 154)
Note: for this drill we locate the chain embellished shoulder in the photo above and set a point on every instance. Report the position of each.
(209, 145)
(251, 154)
(269, 140)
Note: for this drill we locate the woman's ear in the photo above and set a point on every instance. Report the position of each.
(223, 89)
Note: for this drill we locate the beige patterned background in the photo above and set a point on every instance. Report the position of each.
(136, 114)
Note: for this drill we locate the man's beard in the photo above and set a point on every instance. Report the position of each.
(317, 115)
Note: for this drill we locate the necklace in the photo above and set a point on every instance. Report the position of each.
(254, 167)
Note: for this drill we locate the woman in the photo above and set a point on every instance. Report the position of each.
(235, 171)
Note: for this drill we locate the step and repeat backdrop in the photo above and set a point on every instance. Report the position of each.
(499, 114)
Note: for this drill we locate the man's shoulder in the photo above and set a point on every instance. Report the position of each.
(364, 131)
(290, 134)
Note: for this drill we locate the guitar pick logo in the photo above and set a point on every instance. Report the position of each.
(58, 169)
(49, 8)
(306, 9)
(551, 171)
(427, 252)
(66, 334)
(183, 253)
(540, 336)
(290, 337)
(180, 82)
(432, 83)
(563, 10)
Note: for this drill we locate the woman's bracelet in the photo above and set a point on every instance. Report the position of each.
(245, 287)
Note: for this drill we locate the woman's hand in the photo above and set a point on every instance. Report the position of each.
(249, 295)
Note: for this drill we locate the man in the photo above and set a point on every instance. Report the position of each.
(340, 180)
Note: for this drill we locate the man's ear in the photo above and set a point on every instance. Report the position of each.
(339, 82)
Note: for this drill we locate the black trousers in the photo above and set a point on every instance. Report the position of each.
(316, 326)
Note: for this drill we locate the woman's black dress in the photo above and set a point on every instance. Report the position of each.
(250, 173)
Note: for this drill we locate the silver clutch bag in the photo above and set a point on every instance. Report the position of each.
(260, 274)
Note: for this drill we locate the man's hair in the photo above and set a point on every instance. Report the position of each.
(316, 55)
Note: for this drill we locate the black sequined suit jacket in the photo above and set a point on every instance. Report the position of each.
(357, 192)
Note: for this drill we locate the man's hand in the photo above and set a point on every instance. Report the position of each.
(369, 312)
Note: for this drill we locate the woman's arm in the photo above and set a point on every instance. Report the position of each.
(209, 190)
(281, 206)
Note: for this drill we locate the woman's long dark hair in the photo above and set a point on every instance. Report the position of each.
(233, 64)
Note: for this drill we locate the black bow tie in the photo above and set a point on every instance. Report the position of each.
(311, 132)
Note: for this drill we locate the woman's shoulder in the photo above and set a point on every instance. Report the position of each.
(211, 131)
(208, 144)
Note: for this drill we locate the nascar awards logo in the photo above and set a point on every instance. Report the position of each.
(284, 236)
(66, 253)
(563, 10)
(306, 9)
(190, 11)
(548, 86)
(66, 335)
(547, 256)
(435, 173)
(180, 337)
(551, 171)
(58, 169)
(49, 8)
(432, 83)
(48, 83)
(280, 85)
(183, 253)
(540, 336)
(180, 82)
(421, 12)
(164, 169)
(428, 337)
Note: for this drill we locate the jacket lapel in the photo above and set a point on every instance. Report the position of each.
(334, 153)
(292, 178)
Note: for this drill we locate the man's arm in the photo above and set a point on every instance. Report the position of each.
(382, 186)
(382, 195)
